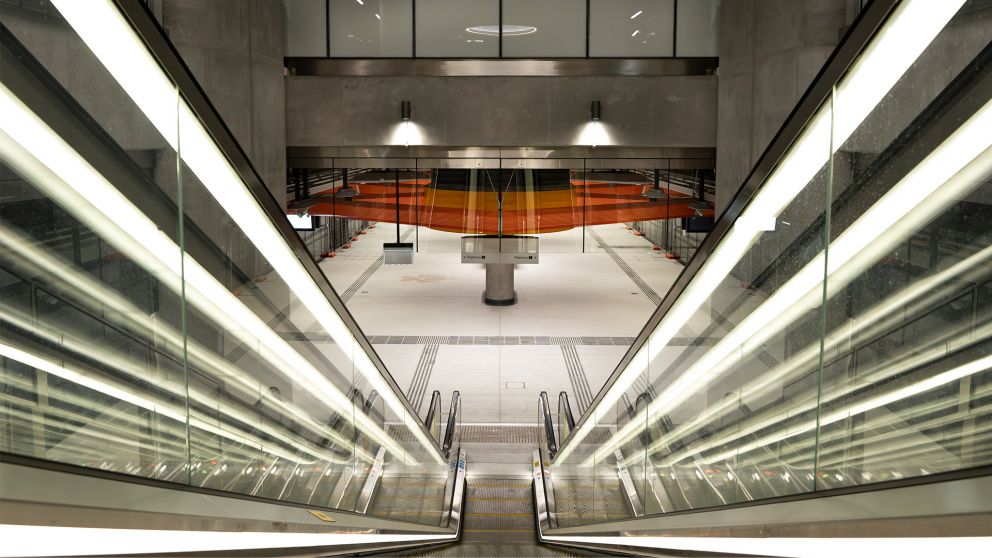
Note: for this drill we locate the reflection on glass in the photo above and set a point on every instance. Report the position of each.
(458, 28)
(631, 28)
(155, 321)
(839, 332)
(559, 28)
(372, 28)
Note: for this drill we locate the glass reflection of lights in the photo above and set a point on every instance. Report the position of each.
(56, 168)
(508, 30)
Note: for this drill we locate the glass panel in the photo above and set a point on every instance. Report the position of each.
(838, 333)
(305, 29)
(91, 359)
(906, 369)
(698, 28)
(631, 28)
(371, 29)
(544, 28)
(155, 321)
(458, 28)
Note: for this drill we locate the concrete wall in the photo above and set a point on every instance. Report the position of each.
(501, 111)
(770, 51)
(235, 50)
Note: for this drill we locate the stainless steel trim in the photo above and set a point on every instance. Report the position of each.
(162, 49)
(843, 56)
(549, 492)
(341, 486)
(458, 496)
(540, 501)
(563, 67)
(31, 495)
(960, 507)
(692, 155)
(371, 483)
(629, 490)
(449, 488)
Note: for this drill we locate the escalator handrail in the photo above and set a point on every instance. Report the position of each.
(549, 425)
(432, 409)
(453, 412)
(565, 406)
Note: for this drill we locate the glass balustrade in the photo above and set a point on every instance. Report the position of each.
(156, 319)
(839, 332)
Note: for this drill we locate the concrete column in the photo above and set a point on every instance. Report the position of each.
(235, 50)
(499, 285)
(770, 51)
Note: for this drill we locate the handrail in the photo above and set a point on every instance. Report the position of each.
(453, 412)
(143, 22)
(549, 425)
(432, 410)
(858, 36)
(565, 408)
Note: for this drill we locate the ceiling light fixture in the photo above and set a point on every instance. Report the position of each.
(639, 12)
(508, 30)
(405, 112)
(636, 31)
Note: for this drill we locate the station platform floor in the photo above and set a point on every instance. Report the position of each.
(577, 314)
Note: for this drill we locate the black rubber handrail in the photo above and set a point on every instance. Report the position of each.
(453, 413)
(432, 409)
(565, 408)
(549, 425)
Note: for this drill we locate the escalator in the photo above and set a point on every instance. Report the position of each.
(818, 378)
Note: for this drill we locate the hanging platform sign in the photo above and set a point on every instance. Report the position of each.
(492, 249)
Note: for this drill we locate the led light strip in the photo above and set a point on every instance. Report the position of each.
(129, 366)
(914, 358)
(128, 316)
(28, 145)
(33, 540)
(176, 413)
(951, 170)
(909, 30)
(104, 30)
(904, 547)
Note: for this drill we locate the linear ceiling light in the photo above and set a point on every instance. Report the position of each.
(951, 170)
(119, 311)
(38, 540)
(906, 34)
(102, 27)
(29, 146)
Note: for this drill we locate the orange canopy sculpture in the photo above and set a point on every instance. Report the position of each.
(476, 211)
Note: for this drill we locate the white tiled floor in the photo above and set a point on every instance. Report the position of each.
(569, 293)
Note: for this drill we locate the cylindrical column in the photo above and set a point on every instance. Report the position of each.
(499, 285)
